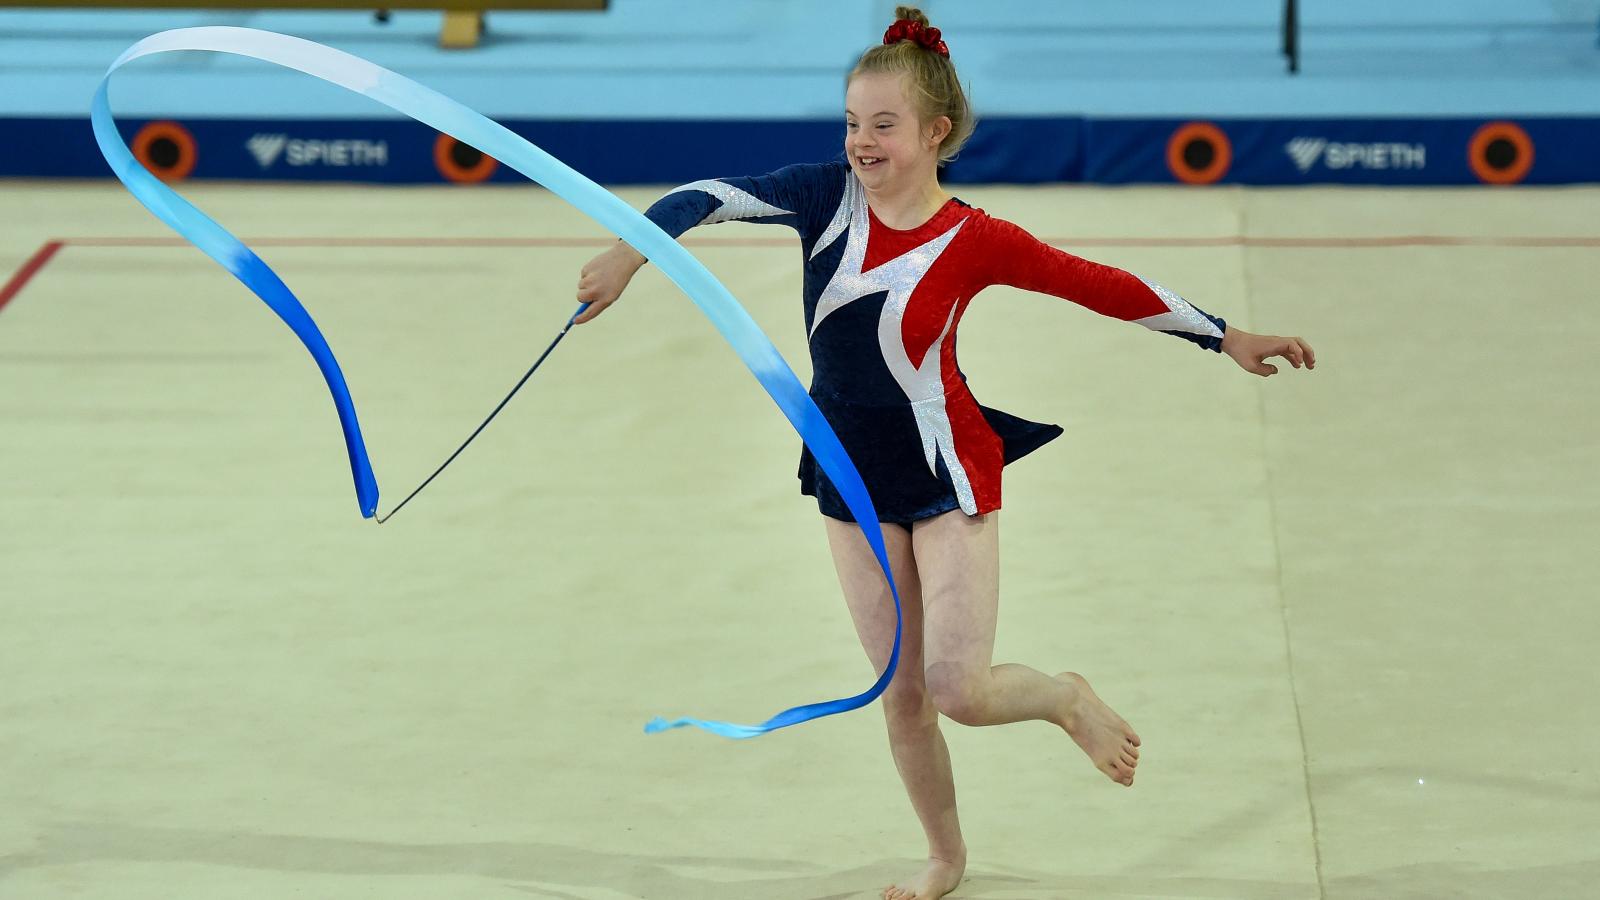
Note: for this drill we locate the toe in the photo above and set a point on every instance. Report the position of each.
(1129, 761)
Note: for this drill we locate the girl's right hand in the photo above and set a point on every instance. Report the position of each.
(602, 279)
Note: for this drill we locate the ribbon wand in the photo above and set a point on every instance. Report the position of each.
(526, 375)
(425, 105)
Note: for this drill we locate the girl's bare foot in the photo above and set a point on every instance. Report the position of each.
(1108, 739)
(938, 878)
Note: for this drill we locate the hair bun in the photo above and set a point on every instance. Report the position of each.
(912, 13)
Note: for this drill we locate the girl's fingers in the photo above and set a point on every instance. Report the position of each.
(1296, 352)
(1300, 353)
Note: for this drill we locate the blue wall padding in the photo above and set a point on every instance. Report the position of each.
(1003, 150)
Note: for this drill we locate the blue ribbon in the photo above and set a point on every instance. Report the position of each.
(446, 115)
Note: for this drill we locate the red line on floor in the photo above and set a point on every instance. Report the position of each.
(28, 270)
(1330, 242)
(50, 248)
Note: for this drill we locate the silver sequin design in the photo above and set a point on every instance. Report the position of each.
(923, 384)
(1180, 316)
(736, 203)
(841, 216)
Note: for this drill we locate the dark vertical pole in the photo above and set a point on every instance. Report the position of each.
(1291, 34)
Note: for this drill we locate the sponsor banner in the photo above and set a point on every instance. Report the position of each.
(212, 148)
(1344, 151)
(408, 152)
(1017, 151)
(611, 152)
(1003, 150)
(52, 148)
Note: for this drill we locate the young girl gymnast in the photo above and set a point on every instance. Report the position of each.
(891, 262)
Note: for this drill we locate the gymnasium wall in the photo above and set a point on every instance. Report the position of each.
(1424, 93)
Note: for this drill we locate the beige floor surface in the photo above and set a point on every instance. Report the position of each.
(1351, 612)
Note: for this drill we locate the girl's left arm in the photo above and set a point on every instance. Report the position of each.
(1021, 260)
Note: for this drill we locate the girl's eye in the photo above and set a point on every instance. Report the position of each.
(884, 126)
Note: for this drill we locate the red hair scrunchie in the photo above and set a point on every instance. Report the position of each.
(926, 36)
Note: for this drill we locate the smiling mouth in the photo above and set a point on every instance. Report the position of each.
(867, 162)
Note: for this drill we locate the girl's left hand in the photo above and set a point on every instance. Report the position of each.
(1249, 351)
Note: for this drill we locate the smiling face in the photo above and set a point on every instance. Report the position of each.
(887, 144)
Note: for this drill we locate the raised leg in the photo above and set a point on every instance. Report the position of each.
(958, 560)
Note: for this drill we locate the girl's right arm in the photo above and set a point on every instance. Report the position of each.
(602, 279)
(798, 196)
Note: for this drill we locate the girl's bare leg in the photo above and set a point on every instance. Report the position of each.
(957, 557)
(919, 749)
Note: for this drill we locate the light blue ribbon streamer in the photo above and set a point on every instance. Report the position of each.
(446, 115)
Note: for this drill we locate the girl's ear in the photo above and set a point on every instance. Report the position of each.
(938, 130)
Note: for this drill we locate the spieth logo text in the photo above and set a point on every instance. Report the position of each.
(1308, 151)
(268, 148)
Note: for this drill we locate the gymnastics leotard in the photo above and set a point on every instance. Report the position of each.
(881, 309)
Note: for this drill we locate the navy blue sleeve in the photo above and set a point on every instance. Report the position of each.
(802, 196)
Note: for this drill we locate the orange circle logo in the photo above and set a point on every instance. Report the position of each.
(167, 149)
(462, 163)
(1500, 153)
(1199, 153)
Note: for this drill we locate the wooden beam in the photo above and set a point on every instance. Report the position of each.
(461, 29)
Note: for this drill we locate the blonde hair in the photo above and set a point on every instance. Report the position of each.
(932, 85)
